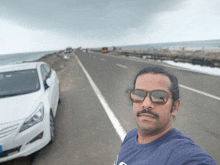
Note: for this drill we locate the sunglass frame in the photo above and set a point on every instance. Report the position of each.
(150, 92)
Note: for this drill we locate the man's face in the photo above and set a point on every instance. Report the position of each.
(156, 118)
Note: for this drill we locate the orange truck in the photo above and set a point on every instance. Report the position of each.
(104, 50)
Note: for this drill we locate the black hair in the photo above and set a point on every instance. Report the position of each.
(174, 88)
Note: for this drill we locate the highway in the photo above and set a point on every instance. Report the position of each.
(199, 112)
(96, 113)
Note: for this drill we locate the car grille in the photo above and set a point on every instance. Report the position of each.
(8, 130)
(8, 152)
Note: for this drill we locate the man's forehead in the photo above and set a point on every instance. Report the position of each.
(152, 80)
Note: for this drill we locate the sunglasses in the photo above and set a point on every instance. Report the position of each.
(157, 97)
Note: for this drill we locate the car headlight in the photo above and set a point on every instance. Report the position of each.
(35, 118)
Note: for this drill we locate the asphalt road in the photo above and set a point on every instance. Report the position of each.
(84, 132)
(199, 113)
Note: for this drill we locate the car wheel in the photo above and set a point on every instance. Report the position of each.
(52, 128)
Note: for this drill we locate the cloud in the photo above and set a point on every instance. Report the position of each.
(196, 20)
(55, 24)
(85, 18)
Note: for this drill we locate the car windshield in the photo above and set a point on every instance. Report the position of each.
(18, 82)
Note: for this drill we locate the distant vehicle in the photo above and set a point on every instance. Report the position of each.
(68, 50)
(104, 50)
(29, 96)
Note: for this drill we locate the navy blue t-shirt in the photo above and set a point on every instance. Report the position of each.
(173, 148)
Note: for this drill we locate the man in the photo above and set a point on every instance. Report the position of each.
(156, 101)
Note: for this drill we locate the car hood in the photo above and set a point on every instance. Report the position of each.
(18, 107)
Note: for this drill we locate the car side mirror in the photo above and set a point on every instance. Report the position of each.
(49, 82)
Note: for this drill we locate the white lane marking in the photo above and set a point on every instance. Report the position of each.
(102, 59)
(200, 92)
(123, 66)
(115, 122)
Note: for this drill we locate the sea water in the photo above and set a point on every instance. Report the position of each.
(208, 44)
(20, 57)
(189, 45)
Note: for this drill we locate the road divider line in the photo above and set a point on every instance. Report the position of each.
(123, 66)
(200, 92)
(115, 122)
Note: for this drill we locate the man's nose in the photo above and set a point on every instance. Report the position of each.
(147, 103)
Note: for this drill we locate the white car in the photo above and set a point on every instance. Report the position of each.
(29, 96)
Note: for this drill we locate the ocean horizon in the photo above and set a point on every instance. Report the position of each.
(189, 45)
(13, 58)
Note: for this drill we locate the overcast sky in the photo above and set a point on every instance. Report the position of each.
(38, 25)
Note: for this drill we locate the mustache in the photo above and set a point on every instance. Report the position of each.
(147, 111)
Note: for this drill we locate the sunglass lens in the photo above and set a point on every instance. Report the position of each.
(159, 97)
(137, 96)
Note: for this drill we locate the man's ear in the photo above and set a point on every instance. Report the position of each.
(176, 105)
